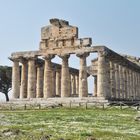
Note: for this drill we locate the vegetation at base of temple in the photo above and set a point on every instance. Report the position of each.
(5, 80)
(70, 124)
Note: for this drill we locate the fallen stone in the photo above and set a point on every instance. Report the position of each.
(91, 138)
(137, 118)
(9, 132)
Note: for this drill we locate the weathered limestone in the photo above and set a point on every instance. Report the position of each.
(31, 90)
(131, 85)
(16, 79)
(58, 83)
(40, 78)
(112, 81)
(77, 84)
(83, 85)
(103, 88)
(23, 87)
(125, 83)
(95, 86)
(53, 86)
(128, 84)
(121, 81)
(65, 77)
(48, 92)
(117, 85)
(73, 84)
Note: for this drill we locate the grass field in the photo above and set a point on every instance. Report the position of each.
(70, 124)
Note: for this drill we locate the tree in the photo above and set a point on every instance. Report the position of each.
(5, 80)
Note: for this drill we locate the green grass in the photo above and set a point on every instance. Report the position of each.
(74, 124)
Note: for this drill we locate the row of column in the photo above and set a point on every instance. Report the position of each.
(124, 82)
(45, 82)
(115, 81)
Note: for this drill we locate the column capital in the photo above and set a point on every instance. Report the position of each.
(14, 59)
(102, 53)
(31, 58)
(22, 60)
(64, 56)
(39, 63)
(58, 69)
(49, 56)
(82, 55)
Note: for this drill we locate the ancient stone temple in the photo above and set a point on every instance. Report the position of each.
(116, 77)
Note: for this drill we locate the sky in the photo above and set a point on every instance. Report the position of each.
(113, 23)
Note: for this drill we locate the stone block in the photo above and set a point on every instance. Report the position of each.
(42, 45)
(68, 43)
(49, 32)
(77, 42)
(86, 42)
(68, 32)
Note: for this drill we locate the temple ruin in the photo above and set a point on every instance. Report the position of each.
(116, 76)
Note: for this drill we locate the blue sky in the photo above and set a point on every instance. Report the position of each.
(113, 23)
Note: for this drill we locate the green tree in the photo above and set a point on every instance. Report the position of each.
(5, 80)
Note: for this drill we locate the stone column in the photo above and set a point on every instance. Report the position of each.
(127, 84)
(77, 84)
(95, 86)
(112, 81)
(31, 90)
(131, 84)
(40, 79)
(65, 77)
(121, 81)
(83, 85)
(53, 82)
(70, 84)
(136, 86)
(58, 82)
(15, 79)
(124, 82)
(24, 71)
(117, 79)
(103, 76)
(73, 84)
(48, 77)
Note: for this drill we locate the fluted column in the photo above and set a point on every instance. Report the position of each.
(117, 79)
(16, 79)
(48, 77)
(31, 90)
(58, 83)
(136, 86)
(40, 78)
(65, 77)
(24, 71)
(53, 83)
(128, 84)
(83, 85)
(124, 82)
(77, 84)
(112, 80)
(121, 81)
(131, 84)
(95, 86)
(103, 87)
(73, 84)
